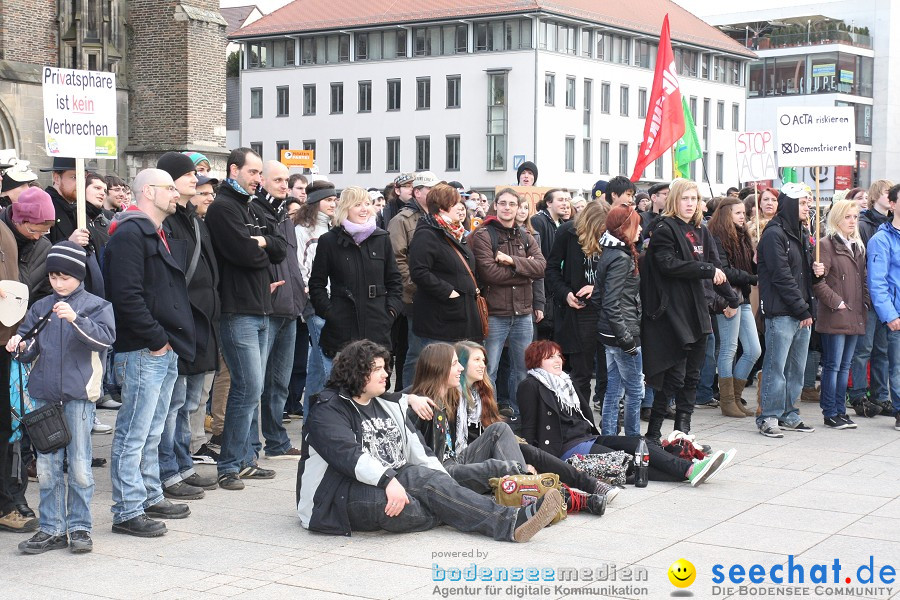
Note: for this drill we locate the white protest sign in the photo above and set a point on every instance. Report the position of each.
(812, 136)
(756, 156)
(79, 113)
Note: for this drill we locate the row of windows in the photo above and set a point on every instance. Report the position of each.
(489, 36)
(453, 97)
(392, 154)
(624, 101)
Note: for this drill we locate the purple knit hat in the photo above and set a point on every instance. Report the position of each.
(33, 206)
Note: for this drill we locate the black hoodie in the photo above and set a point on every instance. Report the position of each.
(869, 222)
(785, 273)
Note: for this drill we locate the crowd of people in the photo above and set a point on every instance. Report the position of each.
(209, 313)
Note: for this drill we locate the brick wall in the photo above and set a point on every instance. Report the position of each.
(28, 31)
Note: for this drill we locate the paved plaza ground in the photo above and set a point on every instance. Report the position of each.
(819, 497)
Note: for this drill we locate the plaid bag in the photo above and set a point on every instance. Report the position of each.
(611, 467)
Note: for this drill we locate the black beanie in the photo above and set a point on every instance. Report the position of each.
(175, 164)
(69, 258)
(529, 166)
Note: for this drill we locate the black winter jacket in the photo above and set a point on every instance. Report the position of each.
(288, 300)
(66, 221)
(145, 283)
(740, 280)
(568, 270)
(365, 289)
(617, 295)
(541, 423)
(436, 267)
(545, 232)
(202, 289)
(869, 222)
(244, 275)
(785, 272)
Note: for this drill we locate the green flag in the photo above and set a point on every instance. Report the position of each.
(788, 175)
(687, 149)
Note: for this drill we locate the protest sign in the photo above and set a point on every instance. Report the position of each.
(79, 113)
(531, 193)
(756, 156)
(816, 136)
(298, 158)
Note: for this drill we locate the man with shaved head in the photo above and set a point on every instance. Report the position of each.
(288, 302)
(144, 276)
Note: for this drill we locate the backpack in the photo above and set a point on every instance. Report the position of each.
(495, 238)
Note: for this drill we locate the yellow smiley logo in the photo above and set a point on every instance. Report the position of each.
(682, 573)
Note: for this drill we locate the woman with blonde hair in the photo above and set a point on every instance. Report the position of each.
(843, 306)
(570, 277)
(675, 321)
(355, 285)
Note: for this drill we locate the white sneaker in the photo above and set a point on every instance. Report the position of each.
(107, 402)
(99, 427)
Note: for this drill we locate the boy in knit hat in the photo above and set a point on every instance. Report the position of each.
(74, 329)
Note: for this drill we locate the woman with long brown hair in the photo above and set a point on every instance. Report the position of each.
(735, 247)
(766, 208)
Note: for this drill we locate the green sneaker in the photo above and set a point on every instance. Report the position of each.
(701, 471)
(729, 456)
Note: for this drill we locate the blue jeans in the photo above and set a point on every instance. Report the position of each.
(623, 371)
(175, 461)
(518, 331)
(837, 352)
(282, 338)
(316, 375)
(741, 327)
(61, 514)
(245, 346)
(871, 348)
(414, 348)
(783, 365)
(147, 383)
(893, 354)
(707, 373)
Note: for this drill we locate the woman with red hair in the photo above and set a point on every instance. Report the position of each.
(617, 300)
(554, 420)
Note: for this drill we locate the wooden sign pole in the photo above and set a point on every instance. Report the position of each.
(757, 217)
(80, 210)
(818, 214)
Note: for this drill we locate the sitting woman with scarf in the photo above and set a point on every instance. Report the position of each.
(467, 434)
(355, 262)
(554, 420)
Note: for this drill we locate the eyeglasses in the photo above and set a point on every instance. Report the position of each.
(171, 188)
(507, 204)
(42, 231)
(210, 194)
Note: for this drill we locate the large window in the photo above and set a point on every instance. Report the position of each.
(337, 156)
(453, 153)
(727, 70)
(831, 72)
(570, 92)
(604, 97)
(364, 155)
(337, 98)
(623, 158)
(687, 62)
(423, 153)
(497, 122)
(614, 48)
(325, 49)
(256, 103)
(365, 96)
(557, 37)
(587, 43)
(645, 54)
(511, 34)
(381, 45)
(454, 91)
(309, 99)
(283, 97)
(392, 164)
(549, 89)
(423, 93)
(570, 154)
(393, 94)
(440, 41)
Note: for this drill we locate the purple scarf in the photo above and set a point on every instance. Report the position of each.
(358, 232)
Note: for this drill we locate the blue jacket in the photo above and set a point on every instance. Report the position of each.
(145, 282)
(69, 357)
(884, 272)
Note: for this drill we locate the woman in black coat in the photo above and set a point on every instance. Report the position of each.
(570, 279)
(441, 264)
(675, 322)
(355, 285)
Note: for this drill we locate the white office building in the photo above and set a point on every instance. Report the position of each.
(471, 88)
(827, 53)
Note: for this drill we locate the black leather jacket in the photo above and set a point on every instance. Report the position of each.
(617, 295)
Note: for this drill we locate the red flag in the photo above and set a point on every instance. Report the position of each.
(665, 119)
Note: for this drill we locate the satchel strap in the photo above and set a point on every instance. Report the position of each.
(465, 264)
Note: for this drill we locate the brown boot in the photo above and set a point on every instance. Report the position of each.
(809, 395)
(726, 398)
(739, 385)
(759, 394)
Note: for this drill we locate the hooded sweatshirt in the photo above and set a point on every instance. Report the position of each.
(785, 274)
